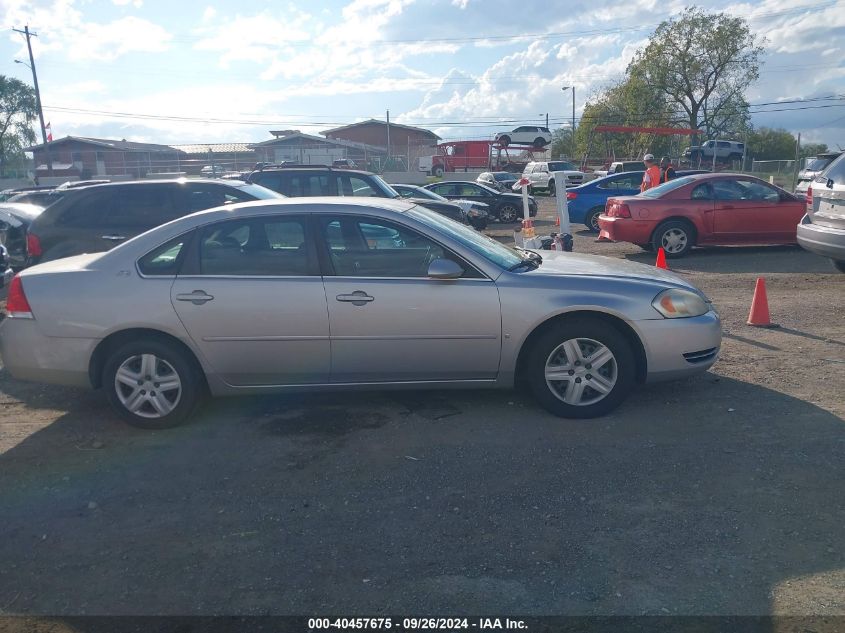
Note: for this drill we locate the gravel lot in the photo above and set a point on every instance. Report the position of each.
(721, 494)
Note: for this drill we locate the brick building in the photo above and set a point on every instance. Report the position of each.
(407, 143)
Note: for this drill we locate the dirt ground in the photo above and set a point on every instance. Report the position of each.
(718, 495)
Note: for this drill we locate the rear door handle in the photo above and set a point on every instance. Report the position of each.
(114, 238)
(197, 297)
(357, 298)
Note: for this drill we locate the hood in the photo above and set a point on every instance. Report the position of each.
(560, 263)
(513, 195)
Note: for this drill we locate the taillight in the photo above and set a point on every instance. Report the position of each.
(809, 199)
(618, 210)
(571, 195)
(16, 304)
(33, 245)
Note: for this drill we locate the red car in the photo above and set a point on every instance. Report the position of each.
(703, 209)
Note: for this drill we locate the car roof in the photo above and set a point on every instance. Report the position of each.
(274, 168)
(161, 181)
(21, 208)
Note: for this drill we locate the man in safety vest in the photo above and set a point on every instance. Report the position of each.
(651, 177)
(666, 170)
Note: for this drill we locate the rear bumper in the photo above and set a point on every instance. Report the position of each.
(822, 240)
(676, 348)
(30, 355)
(625, 230)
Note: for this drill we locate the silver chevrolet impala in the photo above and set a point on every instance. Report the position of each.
(330, 293)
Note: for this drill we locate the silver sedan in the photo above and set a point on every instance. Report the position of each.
(329, 293)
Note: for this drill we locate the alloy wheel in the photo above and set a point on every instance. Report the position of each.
(507, 214)
(581, 371)
(674, 241)
(148, 386)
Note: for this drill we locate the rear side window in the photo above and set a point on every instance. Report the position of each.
(256, 247)
(88, 209)
(199, 197)
(141, 207)
(836, 171)
(166, 259)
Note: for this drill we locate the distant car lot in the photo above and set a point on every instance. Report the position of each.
(444, 501)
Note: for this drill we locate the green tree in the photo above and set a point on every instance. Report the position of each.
(17, 113)
(813, 149)
(768, 143)
(702, 64)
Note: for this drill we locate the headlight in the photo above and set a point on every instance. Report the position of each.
(675, 303)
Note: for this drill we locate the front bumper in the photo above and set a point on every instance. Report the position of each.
(822, 240)
(676, 348)
(625, 230)
(29, 354)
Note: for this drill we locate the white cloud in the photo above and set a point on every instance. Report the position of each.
(136, 3)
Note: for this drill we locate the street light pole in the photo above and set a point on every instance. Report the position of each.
(26, 32)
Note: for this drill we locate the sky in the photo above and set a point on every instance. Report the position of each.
(213, 71)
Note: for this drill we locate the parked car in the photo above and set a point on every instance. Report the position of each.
(212, 171)
(619, 166)
(703, 209)
(344, 163)
(724, 150)
(525, 135)
(822, 229)
(97, 218)
(464, 211)
(501, 180)
(586, 202)
(437, 304)
(15, 219)
(295, 181)
(814, 168)
(504, 206)
(541, 175)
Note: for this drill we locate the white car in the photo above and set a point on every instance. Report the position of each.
(525, 135)
(822, 230)
(541, 175)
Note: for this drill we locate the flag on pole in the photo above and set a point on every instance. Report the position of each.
(49, 132)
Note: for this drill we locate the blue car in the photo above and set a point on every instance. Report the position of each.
(586, 202)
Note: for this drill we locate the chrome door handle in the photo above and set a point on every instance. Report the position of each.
(197, 297)
(357, 298)
(113, 238)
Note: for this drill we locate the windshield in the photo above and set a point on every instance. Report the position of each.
(562, 165)
(496, 252)
(388, 191)
(666, 187)
(504, 175)
(259, 192)
(817, 164)
(420, 192)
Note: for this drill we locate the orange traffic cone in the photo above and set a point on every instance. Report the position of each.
(759, 314)
(661, 259)
(557, 221)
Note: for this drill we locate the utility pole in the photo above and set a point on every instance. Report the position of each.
(388, 136)
(547, 120)
(27, 33)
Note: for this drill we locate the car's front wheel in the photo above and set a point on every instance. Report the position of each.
(539, 142)
(838, 264)
(551, 187)
(676, 237)
(508, 213)
(581, 369)
(592, 219)
(151, 384)
(504, 141)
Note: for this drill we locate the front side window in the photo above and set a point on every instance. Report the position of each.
(471, 190)
(702, 192)
(370, 247)
(274, 247)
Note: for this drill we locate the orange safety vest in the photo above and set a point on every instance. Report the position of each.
(665, 173)
(653, 173)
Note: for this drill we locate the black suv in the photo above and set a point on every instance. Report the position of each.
(296, 181)
(97, 218)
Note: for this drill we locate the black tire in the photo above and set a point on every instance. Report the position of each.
(185, 368)
(591, 219)
(539, 142)
(437, 172)
(552, 188)
(838, 264)
(508, 213)
(548, 344)
(664, 233)
(478, 225)
(505, 140)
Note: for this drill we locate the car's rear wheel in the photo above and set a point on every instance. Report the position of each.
(551, 187)
(152, 385)
(838, 264)
(508, 213)
(437, 172)
(478, 224)
(504, 141)
(581, 369)
(676, 237)
(592, 219)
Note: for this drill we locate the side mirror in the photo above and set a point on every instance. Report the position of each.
(444, 269)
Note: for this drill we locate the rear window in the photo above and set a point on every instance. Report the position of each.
(666, 187)
(836, 171)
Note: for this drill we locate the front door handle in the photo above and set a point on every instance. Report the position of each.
(114, 238)
(197, 297)
(357, 298)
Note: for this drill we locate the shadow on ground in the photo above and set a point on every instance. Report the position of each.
(704, 497)
(744, 259)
